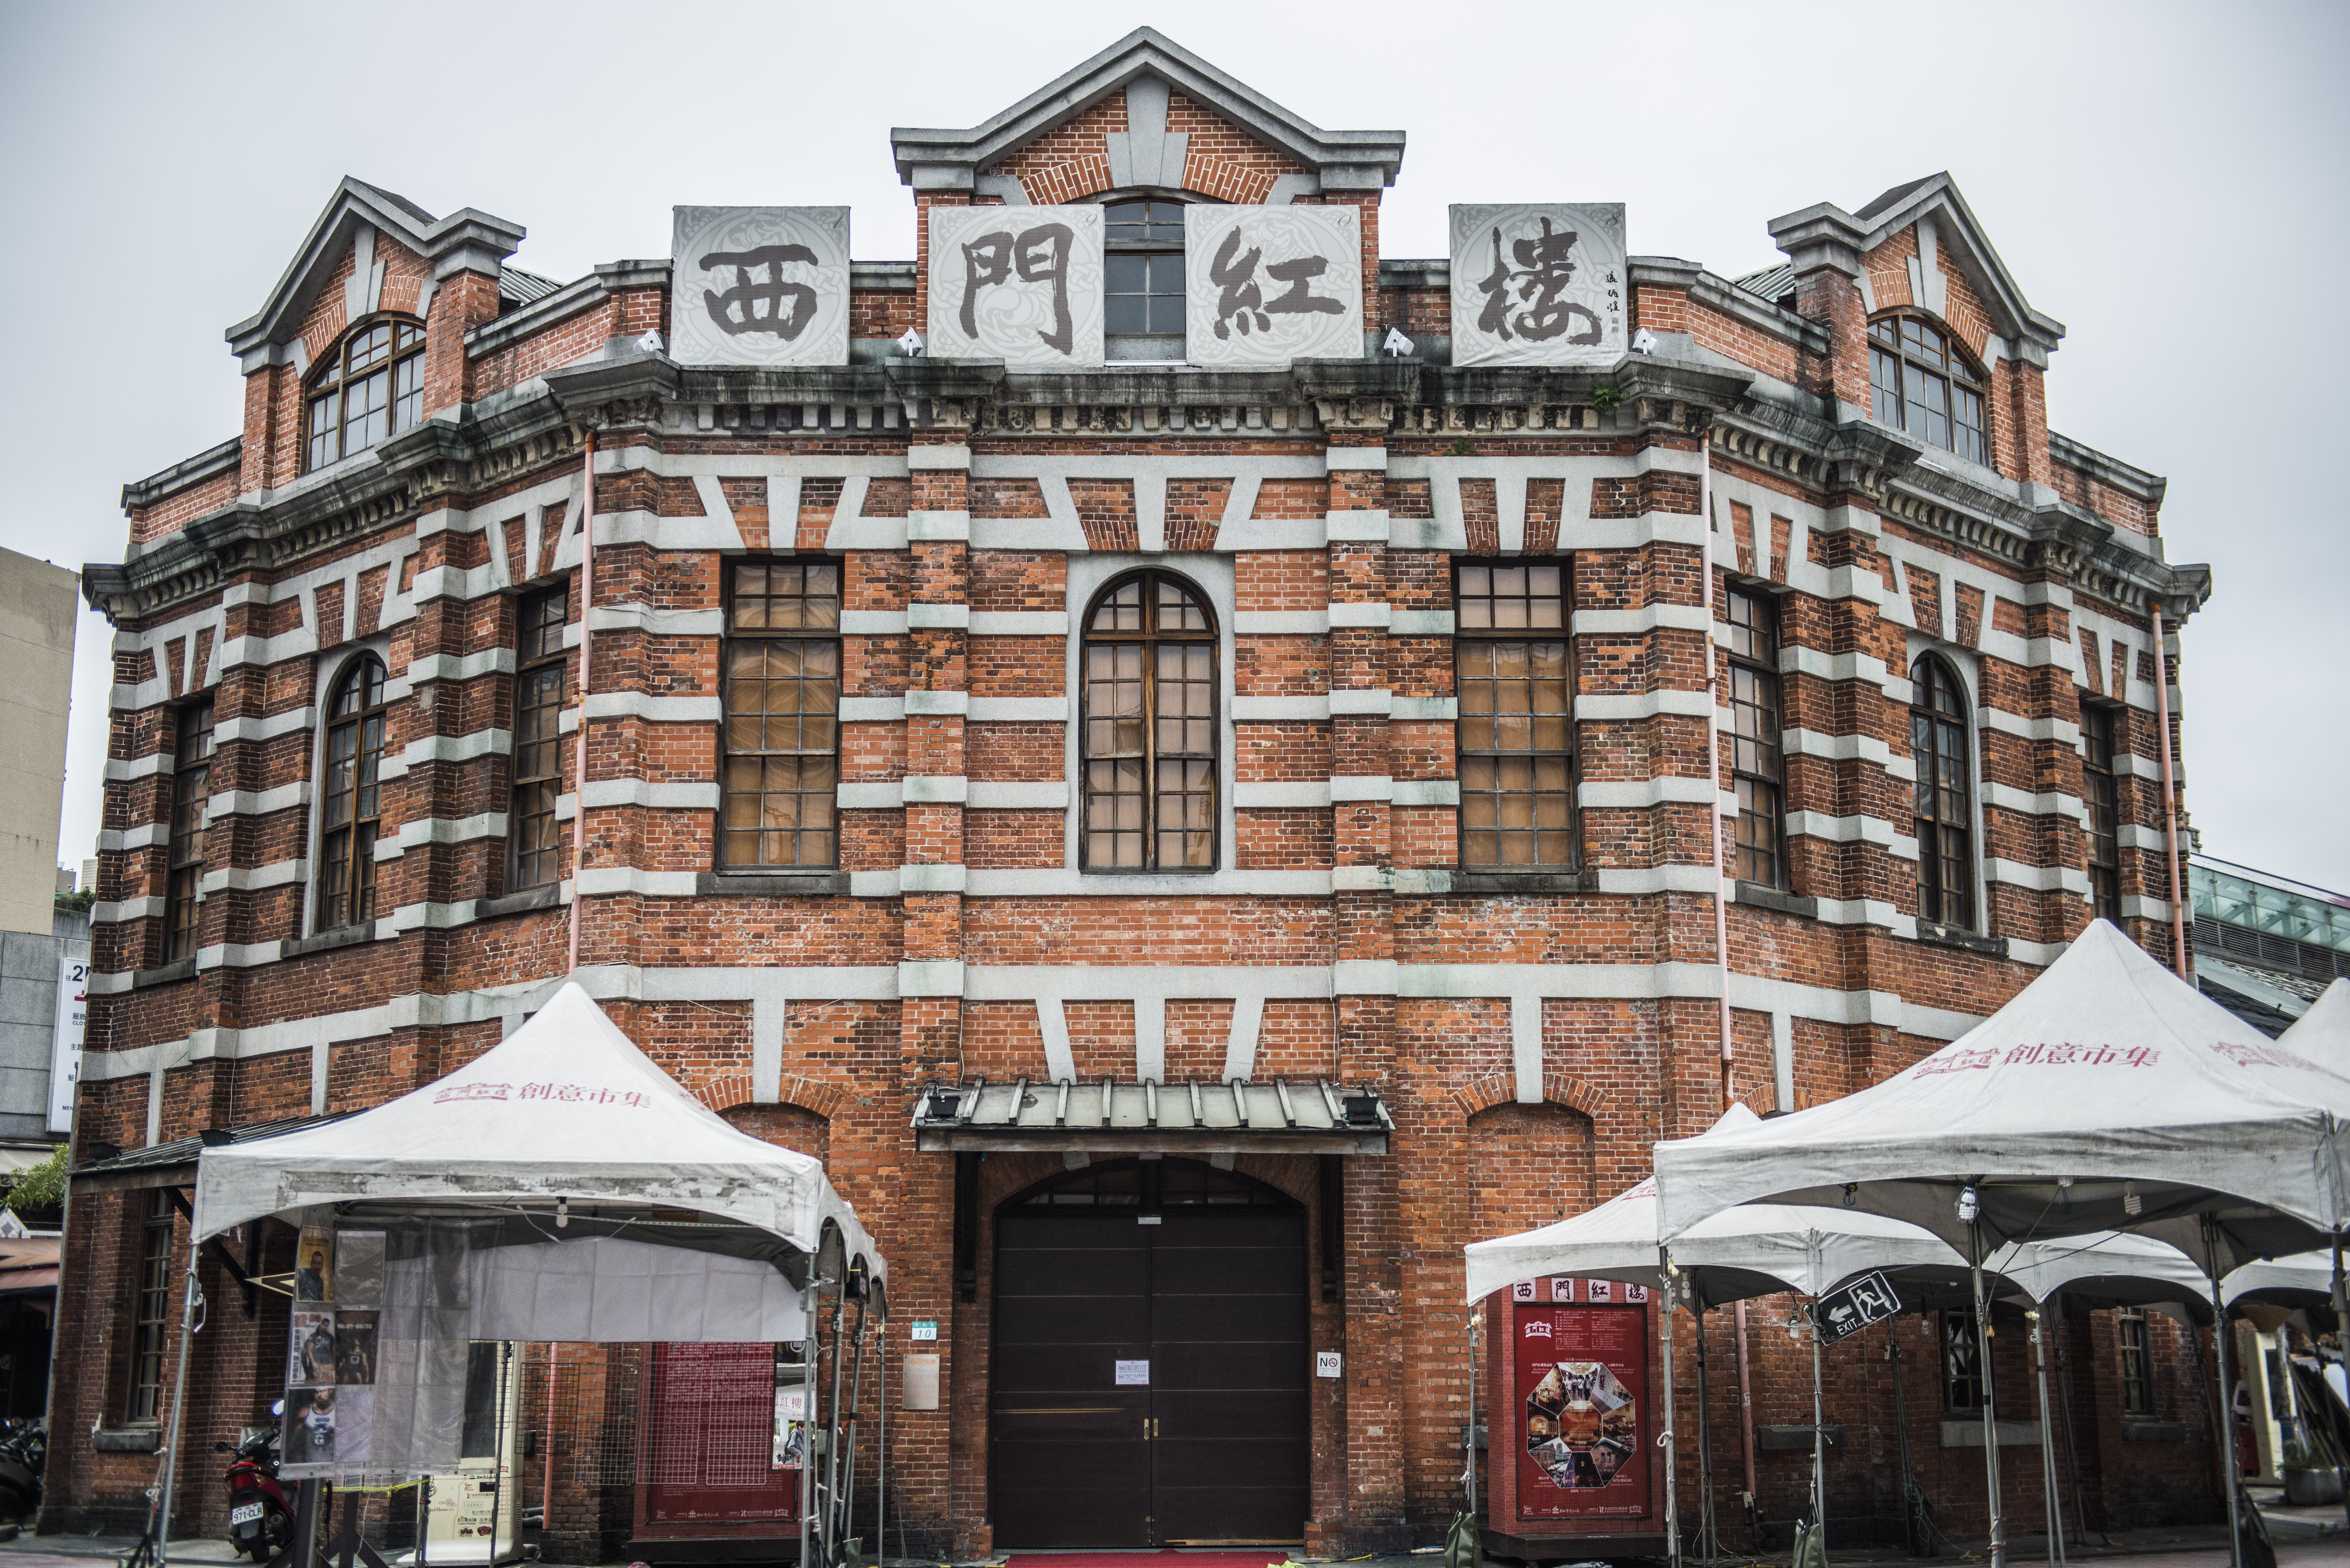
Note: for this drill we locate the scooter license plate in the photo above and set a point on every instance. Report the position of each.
(244, 1513)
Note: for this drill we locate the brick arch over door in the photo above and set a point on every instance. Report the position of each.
(1529, 1165)
(801, 1121)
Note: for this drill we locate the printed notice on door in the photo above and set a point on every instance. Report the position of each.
(1582, 1426)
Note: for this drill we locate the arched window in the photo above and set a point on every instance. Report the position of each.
(1150, 727)
(352, 810)
(370, 387)
(1923, 382)
(1945, 795)
(1143, 279)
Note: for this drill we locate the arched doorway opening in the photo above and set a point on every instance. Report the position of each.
(1150, 1361)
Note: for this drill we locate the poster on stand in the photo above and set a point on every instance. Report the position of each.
(1584, 1425)
(310, 1350)
(358, 1268)
(314, 1265)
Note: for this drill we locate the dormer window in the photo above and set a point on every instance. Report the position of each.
(371, 387)
(1923, 383)
(1143, 282)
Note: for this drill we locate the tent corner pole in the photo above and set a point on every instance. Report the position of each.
(881, 1444)
(2052, 1505)
(1666, 1439)
(1746, 1422)
(1990, 1393)
(1819, 1452)
(2225, 1403)
(1709, 1534)
(191, 1303)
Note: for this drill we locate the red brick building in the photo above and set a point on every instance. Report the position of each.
(1109, 734)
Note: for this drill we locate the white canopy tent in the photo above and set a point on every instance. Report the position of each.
(2322, 1033)
(589, 1197)
(2107, 1094)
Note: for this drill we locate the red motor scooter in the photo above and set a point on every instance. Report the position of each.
(260, 1514)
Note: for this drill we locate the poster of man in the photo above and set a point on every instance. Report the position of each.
(328, 1430)
(354, 1348)
(311, 1359)
(310, 1421)
(313, 1273)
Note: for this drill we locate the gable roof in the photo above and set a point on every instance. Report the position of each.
(1828, 233)
(466, 240)
(1341, 160)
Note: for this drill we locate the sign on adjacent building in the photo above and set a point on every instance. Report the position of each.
(1538, 282)
(759, 285)
(1022, 285)
(1265, 285)
(65, 1048)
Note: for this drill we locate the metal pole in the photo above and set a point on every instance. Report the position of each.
(2169, 797)
(1666, 1439)
(191, 1306)
(810, 1300)
(1709, 1533)
(881, 1445)
(855, 1403)
(546, 1441)
(2227, 1394)
(587, 622)
(503, 1495)
(1819, 1450)
(832, 1514)
(2051, 1504)
(1469, 1438)
(1901, 1433)
(1991, 1395)
(2072, 1449)
(1746, 1421)
(1713, 774)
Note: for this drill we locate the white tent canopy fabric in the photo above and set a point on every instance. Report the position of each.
(1754, 1250)
(2322, 1033)
(2108, 1095)
(567, 1107)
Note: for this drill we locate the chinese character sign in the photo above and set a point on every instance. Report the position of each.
(1539, 282)
(759, 285)
(1265, 285)
(1022, 285)
(1583, 1374)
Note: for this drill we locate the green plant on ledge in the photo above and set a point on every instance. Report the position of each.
(1606, 400)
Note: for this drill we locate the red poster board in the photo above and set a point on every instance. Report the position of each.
(1572, 1428)
(706, 1453)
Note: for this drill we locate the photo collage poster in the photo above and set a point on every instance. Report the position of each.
(1582, 1357)
(330, 1363)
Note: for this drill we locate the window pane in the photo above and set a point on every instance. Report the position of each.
(1124, 220)
(1124, 272)
(1885, 387)
(1126, 314)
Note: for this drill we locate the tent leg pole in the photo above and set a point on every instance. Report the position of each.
(1666, 1439)
(2226, 1401)
(881, 1444)
(1901, 1435)
(1819, 1458)
(1746, 1422)
(832, 1514)
(856, 1404)
(2051, 1504)
(809, 1306)
(1469, 1438)
(1991, 1398)
(1709, 1541)
(191, 1303)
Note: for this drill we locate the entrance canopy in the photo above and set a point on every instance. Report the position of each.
(1754, 1250)
(2108, 1096)
(566, 1133)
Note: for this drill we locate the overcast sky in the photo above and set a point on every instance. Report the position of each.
(2165, 179)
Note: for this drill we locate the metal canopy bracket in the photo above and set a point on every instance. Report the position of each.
(1277, 1115)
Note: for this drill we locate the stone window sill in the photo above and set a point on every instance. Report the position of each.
(2154, 1431)
(1496, 881)
(522, 903)
(1795, 1437)
(327, 941)
(1967, 1432)
(1761, 897)
(140, 1439)
(772, 884)
(167, 975)
(1940, 935)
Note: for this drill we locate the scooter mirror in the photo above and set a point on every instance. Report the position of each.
(222, 1448)
(277, 1408)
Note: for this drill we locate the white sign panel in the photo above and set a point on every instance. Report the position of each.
(1265, 285)
(1328, 1364)
(1538, 282)
(1022, 285)
(1134, 1374)
(759, 285)
(64, 1042)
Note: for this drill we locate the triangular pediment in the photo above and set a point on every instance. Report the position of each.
(356, 213)
(1147, 66)
(1934, 208)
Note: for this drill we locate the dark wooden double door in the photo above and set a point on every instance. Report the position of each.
(1216, 1446)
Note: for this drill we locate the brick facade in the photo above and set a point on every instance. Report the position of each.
(1532, 1032)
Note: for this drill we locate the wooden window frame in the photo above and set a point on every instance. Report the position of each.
(2134, 1361)
(1983, 1377)
(729, 753)
(1758, 763)
(333, 379)
(2101, 804)
(147, 1345)
(1933, 819)
(1146, 246)
(1151, 638)
(1465, 638)
(1896, 366)
(191, 760)
(537, 763)
(350, 902)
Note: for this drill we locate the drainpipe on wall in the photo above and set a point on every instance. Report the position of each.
(587, 620)
(1713, 776)
(2170, 794)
